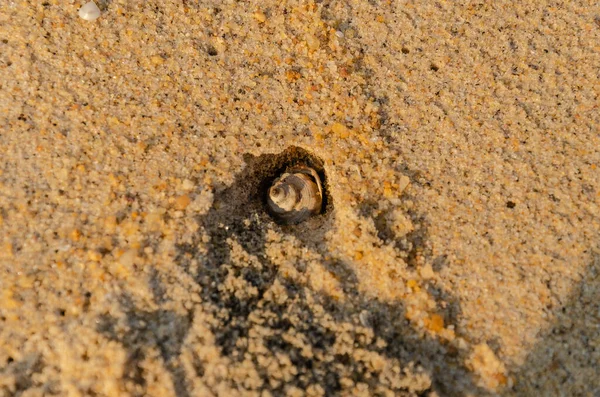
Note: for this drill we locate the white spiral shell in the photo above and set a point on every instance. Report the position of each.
(296, 195)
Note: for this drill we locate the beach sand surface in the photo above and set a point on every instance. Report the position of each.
(457, 252)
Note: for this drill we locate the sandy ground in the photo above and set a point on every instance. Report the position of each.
(459, 250)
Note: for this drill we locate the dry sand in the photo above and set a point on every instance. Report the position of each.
(459, 252)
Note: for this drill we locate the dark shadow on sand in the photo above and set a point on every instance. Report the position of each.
(141, 329)
(566, 361)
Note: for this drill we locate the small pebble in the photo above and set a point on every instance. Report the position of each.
(260, 17)
(426, 271)
(187, 184)
(89, 11)
(182, 202)
(128, 258)
(364, 318)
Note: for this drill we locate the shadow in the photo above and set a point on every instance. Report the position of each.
(141, 329)
(22, 373)
(325, 340)
(404, 343)
(239, 215)
(566, 361)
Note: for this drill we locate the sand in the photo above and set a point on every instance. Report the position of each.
(458, 252)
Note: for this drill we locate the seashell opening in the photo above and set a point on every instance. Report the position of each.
(296, 195)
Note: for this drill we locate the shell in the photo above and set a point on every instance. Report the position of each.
(89, 11)
(296, 195)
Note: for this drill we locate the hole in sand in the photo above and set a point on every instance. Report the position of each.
(272, 166)
(212, 51)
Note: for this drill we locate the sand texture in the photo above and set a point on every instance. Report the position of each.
(457, 252)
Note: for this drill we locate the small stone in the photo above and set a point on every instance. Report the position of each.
(89, 11)
(182, 202)
(157, 60)
(94, 256)
(364, 318)
(426, 271)
(313, 42)
(387, 190)
(341, 130)
(403, 183)
(75, 235)
(187, 185)
(260, 17)
(292, 75)
(128, 258)
(435, 323)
